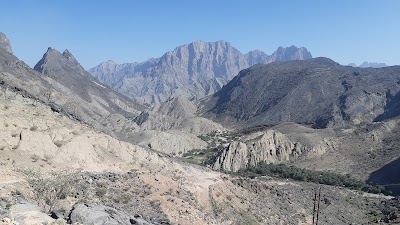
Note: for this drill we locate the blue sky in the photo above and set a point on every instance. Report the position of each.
(133, 31)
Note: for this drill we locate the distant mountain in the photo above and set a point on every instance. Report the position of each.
(372, 64)
(194, 70)
(317, 91)
(369, 64)
(62, 83)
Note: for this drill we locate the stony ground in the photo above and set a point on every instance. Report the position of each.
(140, 184)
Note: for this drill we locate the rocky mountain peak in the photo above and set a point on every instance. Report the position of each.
(200, 43)
(110, 62)
(291, 53)
(202, 47)
(50, 53)
(5, 43)
(54, 59)
(69, 56)
(55, 64)
(193, 70)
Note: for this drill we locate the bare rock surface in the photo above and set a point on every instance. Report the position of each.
(193, 70)
(5, 43)
(26, 213)
(33, 131)
(67, 88)
(317, 91)
(119, 179)
(186, 194)
(271, 146)
(98, 214)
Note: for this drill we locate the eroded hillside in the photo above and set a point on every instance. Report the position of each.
(159, 189)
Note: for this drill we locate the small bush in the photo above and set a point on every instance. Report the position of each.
(47, 158)
(100, 192)
(8, 206)
(320, 177)
(48, 190)
(35, 157)
(33, 128)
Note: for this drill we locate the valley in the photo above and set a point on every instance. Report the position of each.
(186, 139)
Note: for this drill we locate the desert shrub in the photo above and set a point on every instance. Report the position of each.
(8, 206)
(100, 192)
(204, 138)
(33, 128)
(35, 157)
(48, 189)
(47, 158)
(320, 177)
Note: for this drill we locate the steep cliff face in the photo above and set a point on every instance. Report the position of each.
(270, 147)
(192, 71)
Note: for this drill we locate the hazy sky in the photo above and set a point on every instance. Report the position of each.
(132, 31)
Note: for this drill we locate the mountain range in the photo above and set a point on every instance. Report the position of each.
(193, 70)
(213, 110)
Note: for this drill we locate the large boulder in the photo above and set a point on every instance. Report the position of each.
(28, 214)
(90, 214)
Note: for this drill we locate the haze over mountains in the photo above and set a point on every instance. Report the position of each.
(369, 65)
(193, 70)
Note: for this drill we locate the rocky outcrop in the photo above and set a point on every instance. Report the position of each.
(289, 54)
(193, 71)
(268, 147)
(317, 91)
(26, 213)
(5, 43)
(171, 142)
(99, 214)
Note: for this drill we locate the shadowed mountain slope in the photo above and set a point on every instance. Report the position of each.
(317, 91)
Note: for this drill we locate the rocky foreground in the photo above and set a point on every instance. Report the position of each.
(120, 183)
